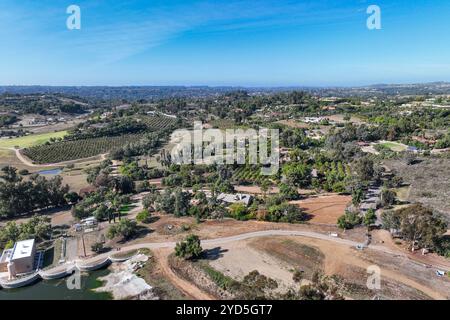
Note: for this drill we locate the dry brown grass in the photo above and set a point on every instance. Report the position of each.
(324, 209)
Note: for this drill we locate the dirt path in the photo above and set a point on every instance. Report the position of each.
(28, 163)
(186, 287)
(137, 201)
(222, 240)
(162, 250)
(333, 261)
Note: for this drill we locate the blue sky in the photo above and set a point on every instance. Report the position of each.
(224, 42)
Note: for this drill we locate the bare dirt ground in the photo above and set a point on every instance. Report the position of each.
(383, 236)
(63, 217)
(170, 228)
(8, 158)
(56, 127)
(294, 124)
(187, 287)
(238, 259)
(277, 257)
(304, 258)
(339, 118)
(324, 209)
(255, 190)
(274, 190)
(58, 217)
(156, 275)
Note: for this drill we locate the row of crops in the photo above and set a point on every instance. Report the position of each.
(77, 149)
(158, 122)
(248, 173)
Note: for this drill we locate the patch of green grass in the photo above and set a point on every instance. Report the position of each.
(127, 208)
(222, 281)
(394, 146)
(49, 257)
(127, 254)
(31, 140)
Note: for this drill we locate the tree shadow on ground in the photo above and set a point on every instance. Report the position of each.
(152, 219)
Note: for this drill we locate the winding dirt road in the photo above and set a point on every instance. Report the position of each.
(161, 251)
(186, 287)
(28, 163)
(244, 236)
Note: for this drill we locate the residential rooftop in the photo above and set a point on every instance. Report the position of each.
(23, 249)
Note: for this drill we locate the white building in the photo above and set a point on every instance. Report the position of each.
(235, 198)
(19, 259)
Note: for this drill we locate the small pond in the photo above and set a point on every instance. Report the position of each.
(50, 172)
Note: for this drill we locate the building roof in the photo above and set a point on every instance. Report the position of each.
(235, 198)
(23, 249)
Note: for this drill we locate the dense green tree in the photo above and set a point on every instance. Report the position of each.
(97, 247)
(285, 212)
(239, 211)
(298, 174)
(19, 197)
(124, 228)
(190, 248)
(420, 225)
(143, 216)
(365, 168)
(289, 192)
(370, 218)
(349, 220)
(181, 202)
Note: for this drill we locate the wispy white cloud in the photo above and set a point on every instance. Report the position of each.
(123, 29)
(117, 30)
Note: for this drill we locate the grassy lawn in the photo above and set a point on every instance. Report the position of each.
(394, 146)
(127, 208)
(124, 255)
(31, 140)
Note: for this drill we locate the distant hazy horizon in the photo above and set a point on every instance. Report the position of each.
(226, 86)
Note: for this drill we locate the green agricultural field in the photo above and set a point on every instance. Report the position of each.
(394, 146)
(78, 149)
(31, 140)
(155, 123)
(249, 173)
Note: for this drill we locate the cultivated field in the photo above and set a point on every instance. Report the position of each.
(78, 149)
(31, 140)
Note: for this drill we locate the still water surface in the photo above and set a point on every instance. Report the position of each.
(57, 289)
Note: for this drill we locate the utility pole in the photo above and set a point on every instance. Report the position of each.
(84, 246)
